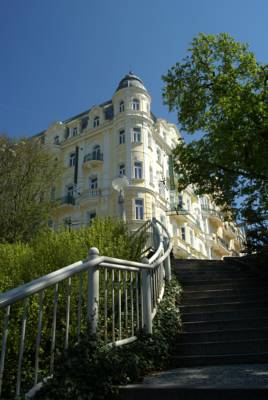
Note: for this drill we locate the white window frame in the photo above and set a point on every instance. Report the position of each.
(93, 182)
(96, 121)
(137, 134)
(138, 170)
(136, 104)
(74, 133)
(122, 136)
(122, 169)
(96, 152)
(139, 209)
(72, 159)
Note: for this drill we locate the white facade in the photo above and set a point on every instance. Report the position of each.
(123, 137)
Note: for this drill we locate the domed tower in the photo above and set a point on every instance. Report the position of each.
(131, 95)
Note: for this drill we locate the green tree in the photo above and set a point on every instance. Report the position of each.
(220, 91)
(27, 172)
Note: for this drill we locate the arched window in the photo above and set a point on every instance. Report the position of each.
(96, 154)
(96, 121)
(93, 182)
(136, 104)
(121, 106)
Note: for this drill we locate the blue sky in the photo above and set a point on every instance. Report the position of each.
(60, 57)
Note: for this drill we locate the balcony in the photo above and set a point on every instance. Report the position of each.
(90, 194)
(212, 214)
(220, 245)
(67, 200)
(93, 160)
(178, 212)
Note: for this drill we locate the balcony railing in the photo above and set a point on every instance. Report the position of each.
(68, 199)
(211, 211)
(223, 243)
(179, 210)
(93, 157)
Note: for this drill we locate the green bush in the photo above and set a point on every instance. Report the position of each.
(92, 371)
(21, 263)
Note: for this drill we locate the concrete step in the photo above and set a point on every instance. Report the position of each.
(227, 306)
(224, 292)
(225, 315)
(223, 335)
(205, 326)
(185, 277)
(224, 284)
(257, 346)
(219, 359)
(176, 392)
(226, 297)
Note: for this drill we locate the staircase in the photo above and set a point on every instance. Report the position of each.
(224, 310)
(224, 313)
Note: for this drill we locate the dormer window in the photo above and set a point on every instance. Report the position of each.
(121, 106)
(75, 131)
(84, 123)
(135, 104)
(96, 122)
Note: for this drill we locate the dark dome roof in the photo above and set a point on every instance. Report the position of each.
(130, 80)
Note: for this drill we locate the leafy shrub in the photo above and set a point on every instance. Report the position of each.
(49, 251)
(92, 371)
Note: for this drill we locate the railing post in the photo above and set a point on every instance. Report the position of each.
(146, 299)
(93, 292)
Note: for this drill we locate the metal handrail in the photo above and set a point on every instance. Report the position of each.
(135, 290)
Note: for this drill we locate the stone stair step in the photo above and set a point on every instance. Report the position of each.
(257, 346)
(223, 335)
(204, 326)
(221, 292)
(225, 315)
(227, 306)
(219, 359)
(236, 284)
(176, 392)
(223, 299)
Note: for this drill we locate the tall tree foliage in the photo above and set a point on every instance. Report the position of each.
(27, 173)
(220, 91)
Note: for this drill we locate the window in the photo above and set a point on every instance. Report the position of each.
(135, 104)
(96, 122)
(122, 137)
(137, 135)
(67, 132)
(84, 123)
(121, 106)
(70, 194)
(72, 160)
(96, 154)
(93, 182)
(191, 238)
(180, 202)
(139, 209)
(53, 194)
(56, 140)
(90, 217)
(183, 233)
(138, 170)
(149, 140)
(122, 170)
(153, 210)
(159, 155)
(151, 176)
(75, 131)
